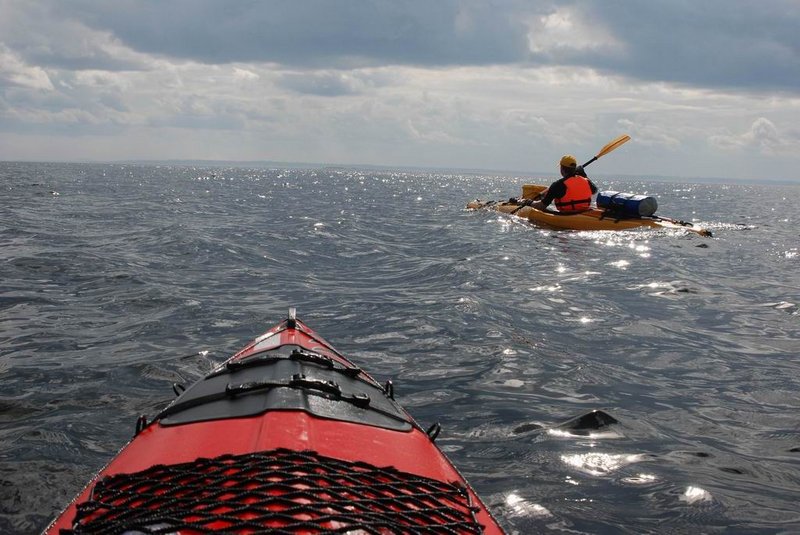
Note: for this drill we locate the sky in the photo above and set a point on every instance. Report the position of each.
(705, 88)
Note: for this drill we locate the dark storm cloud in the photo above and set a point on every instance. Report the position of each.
(708, 43)
(319, 33)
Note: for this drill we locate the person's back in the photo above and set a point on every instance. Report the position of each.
(572, 192)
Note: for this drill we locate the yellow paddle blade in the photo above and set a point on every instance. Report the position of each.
(613, 144)
(531, 191)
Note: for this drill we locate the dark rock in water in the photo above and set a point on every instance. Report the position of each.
(702, 246)
(795, 450)
(596, 419)
(591, 421)
(524, 428)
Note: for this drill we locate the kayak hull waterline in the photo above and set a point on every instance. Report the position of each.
(287, 435)
(593, 219)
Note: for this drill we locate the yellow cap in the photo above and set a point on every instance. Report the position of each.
(568, 160)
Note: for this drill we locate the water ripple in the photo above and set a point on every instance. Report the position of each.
(119, 280)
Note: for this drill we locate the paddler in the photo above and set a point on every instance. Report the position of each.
(572, 192)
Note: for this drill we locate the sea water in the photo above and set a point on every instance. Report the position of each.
(119, 280)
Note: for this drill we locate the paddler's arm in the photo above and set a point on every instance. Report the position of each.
(580, 172)
(555, 190)
(546, 200)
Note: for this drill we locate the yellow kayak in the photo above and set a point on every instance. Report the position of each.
(592, 219)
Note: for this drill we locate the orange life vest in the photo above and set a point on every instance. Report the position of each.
(578, 196)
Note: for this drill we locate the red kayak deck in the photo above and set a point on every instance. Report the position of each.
(287, 436)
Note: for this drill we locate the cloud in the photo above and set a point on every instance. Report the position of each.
(566, 32)
(14, 71)
(332, 83)
(244, 75)
(310, 33)
(762, 135)
(715, 43)
(649, 134)
(42, 34)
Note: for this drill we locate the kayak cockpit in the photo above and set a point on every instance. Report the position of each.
(286, 378)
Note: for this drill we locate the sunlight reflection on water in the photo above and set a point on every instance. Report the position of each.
(696, 495)
(523, 507)
(600, 463)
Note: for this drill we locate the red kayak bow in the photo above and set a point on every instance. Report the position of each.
(287, 436)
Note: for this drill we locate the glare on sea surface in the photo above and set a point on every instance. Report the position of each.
(597, 464)
(641, 250)
(522, 507)
(695, 495)
(548, 288)
(640, 479)
(505, 224)
(592, 435)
